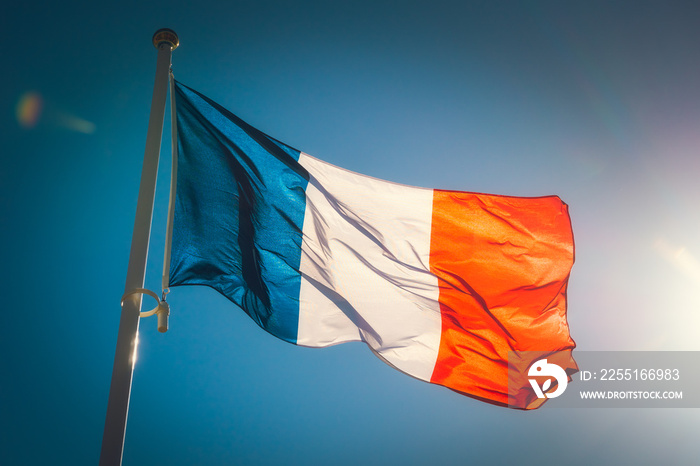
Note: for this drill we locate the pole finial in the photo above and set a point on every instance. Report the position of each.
(166, 36)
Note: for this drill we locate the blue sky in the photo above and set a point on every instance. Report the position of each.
(597, 102)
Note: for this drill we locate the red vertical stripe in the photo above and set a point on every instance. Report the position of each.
(503, 265)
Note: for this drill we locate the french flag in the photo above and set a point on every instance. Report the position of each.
(441, 285)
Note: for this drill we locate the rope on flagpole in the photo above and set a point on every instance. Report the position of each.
(173, 189)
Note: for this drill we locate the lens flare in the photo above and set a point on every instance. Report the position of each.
(29, 109)
(75, 123)
(680, 258)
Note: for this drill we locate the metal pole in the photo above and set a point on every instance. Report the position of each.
(165, 41)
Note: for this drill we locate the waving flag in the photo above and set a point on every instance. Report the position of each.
(439, 284)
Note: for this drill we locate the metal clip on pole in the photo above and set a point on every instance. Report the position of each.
(163, 313)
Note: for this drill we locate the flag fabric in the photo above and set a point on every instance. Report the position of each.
(439, 284)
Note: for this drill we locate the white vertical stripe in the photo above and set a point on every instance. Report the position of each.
(365, 268)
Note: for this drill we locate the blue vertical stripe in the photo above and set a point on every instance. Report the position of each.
(239, 213)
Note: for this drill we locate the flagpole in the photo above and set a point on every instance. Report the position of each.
(165, 40)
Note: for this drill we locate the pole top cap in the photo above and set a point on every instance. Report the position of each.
(166, 36)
